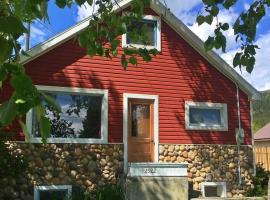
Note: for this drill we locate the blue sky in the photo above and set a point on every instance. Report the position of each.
(186, 10)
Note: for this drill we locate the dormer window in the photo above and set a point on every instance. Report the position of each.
(151, 26)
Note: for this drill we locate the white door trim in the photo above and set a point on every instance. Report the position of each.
(126, 97)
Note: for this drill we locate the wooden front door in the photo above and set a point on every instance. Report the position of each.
(140, 130)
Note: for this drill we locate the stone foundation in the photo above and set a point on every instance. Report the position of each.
(212, 163)
(84, 165)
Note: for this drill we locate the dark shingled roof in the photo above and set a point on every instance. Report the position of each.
(263, 133)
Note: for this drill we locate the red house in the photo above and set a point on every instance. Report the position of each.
(182, 107)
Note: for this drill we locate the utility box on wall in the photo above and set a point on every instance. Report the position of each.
(157, 181)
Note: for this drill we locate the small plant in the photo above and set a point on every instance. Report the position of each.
(110, 192)
(260, 182)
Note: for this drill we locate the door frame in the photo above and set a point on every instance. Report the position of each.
(126, 97)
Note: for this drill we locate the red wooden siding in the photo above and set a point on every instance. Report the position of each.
(176, 75)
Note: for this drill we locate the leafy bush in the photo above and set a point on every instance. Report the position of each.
(10, 165)
(106, 192)
(110, 192)
(260, 182)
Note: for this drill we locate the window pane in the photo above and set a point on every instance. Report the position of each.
(204, 116)
(80, 117)
(53, 194)
(146, 26)
(140, 119)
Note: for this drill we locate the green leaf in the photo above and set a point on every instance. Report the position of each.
(45, 128)
(214, 11)
(61, 3)
(237, 59)
(225, 26)
(133, 60)
(21, 83)
(20, 101)
(250, 64)
(25, 131)
(83, 39)
(115, 44)
(229, 3)
(90, 2)
(115, 53)
(80, 2)
(209, 19)
(6, 49)
(51, 101)
(3, 74)
(8, 111)
(200, 20)
(209, 2)
(12, 25)
(154, 52)
(124, 61)
(209, 43)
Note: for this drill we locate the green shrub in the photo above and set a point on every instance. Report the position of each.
(260, 182)
(110, 192)
(10, 165)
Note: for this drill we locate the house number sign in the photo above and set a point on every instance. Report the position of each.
(150, 170)
(156, 170)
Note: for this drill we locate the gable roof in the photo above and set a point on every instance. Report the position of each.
(263, 133)
(190, 37)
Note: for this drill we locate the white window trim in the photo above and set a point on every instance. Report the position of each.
(104, 116)
(158, 42)
(221, 187)
(223, 114)
(37, 190)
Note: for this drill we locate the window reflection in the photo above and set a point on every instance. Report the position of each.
(146, 26)
(80, 117)
(205, 116)
(140, 119)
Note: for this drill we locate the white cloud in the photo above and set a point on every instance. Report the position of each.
(260, 76)
(37, 35)
(177, 7)
(85, 11)
(206, 30)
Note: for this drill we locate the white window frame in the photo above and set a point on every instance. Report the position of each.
(221, 188)
(158, 36)
(37, 190)
(207, 105)
(74, 90)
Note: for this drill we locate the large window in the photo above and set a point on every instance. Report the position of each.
(53, 192)
(149, 25)
(83, 118)
(206, 116)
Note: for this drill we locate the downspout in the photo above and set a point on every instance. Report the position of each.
(252, 134)
(238, 135)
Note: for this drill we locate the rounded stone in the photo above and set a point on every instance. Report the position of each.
(171, 148)
(193, 170)
(161, 149)
(78, 152)
(231, 165)
(185, 154)
(103, 162)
